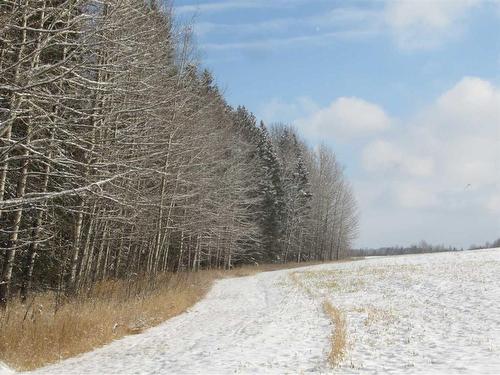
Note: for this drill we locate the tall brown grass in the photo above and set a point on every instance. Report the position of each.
(339, 334)
(49, 327)
(338, 337)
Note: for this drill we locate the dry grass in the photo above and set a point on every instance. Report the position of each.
(330, 280)
(48, 329)
(338, 338)
(389, 271)
(339, 334)
(294, 276)
(334, 280)
(375, 315)
(41, 332)
(317, 278)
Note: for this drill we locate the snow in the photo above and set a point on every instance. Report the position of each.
(418, 314)
(4, 370)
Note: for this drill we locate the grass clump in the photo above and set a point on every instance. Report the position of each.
(338, 338)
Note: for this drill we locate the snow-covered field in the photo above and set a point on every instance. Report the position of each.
(425, 314)
(432, 313)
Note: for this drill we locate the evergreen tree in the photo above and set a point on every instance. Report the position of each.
(272, 191)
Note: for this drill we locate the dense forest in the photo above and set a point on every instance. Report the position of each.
(119, 156)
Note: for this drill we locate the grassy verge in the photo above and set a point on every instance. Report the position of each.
(47, 329)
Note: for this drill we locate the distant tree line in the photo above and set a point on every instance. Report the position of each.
(120, 157)
(420, 248)
(487, 245)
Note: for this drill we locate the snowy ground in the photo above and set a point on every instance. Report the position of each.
(4, 370)
(433, 313)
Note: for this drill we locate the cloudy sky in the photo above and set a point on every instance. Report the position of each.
(406, 92)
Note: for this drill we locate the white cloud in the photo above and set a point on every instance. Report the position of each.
(227, 5)
(412, 24)
(219, 6)
(271, 43)
(493, 203)
(426, 24)
(472, 103)
(341, 20)
(448, 156)
(383, 156)
(346, 118)
(414, 196)
(277, 110)
(339, 23)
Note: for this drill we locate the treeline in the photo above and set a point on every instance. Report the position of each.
(420, 248)
(487, 245)
(120, 157)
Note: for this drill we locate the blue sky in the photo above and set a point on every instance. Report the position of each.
(406, 92)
